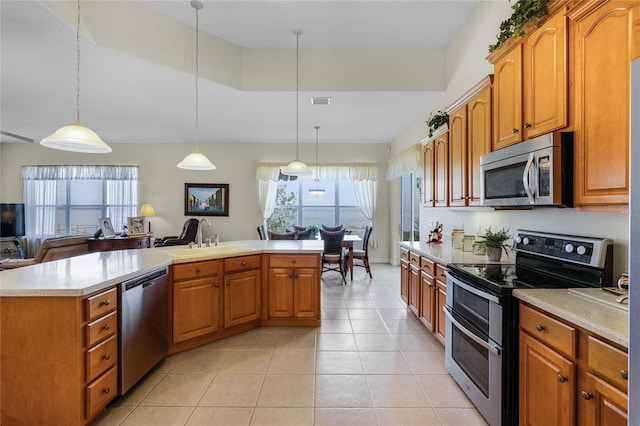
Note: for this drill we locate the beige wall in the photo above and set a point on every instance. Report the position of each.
(162, 183)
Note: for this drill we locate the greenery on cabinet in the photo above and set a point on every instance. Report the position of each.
(436, 120)
(497, 239)
(523, 11)
(283, 218)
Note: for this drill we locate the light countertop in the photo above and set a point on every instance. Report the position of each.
(444, 253)
(85, 274)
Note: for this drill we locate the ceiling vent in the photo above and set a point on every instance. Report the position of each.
(320, 101)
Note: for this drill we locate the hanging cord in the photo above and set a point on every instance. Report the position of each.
(197, 66)
(297, 90)
(317, 160)
(78, 65)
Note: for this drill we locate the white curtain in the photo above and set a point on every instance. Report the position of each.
(407, 162)
(267, 190)
(328, 171)
(365, 192)
(40, 213)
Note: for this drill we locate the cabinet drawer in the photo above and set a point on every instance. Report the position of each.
(195, 270)
(608, 362)
(101, 328)
(428, 266)
(414, 258)
(101, 304)
(290, 261)
(101, 357)
(243, 263)
(404, 254)
(548, 330)
(440, 270)
(100, 392)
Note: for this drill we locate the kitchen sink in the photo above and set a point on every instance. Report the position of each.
(204, 251)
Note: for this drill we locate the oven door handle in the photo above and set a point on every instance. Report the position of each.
(526, 178)
(487, 345)
(473, 290)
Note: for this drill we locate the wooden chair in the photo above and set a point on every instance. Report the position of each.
(333, 228)
(333, 255)
(262, 233)
(304, 235)
(362, 255)
(299, 228)
(283, 235)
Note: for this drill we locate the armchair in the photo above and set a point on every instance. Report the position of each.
(52, 249)
(189, 233)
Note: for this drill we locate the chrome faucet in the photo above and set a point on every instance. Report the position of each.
(199, 235)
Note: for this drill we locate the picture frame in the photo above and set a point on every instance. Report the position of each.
(135, 224)
(104, 223)
(206, 199)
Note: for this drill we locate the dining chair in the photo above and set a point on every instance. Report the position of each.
(262, 233)
(283, 235)
(304, 235)
(333, 255)
(333, 228)
(299, 228)
(362, 255)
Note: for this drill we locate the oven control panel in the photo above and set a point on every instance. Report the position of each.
(582, 250)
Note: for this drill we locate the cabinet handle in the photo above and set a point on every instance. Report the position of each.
(624, 374)
(539, 327)
(198, 269)
(217, 285)
(562, 378)
(106, 327)
(293, 261)
(106, 302)
(106, 356)
(106, 391)
(586, 395)
(515, 131)
(296, 276)
(527, 125)
(229, 283)
(244, 263)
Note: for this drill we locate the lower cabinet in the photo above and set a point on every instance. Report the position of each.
(413, 301)
(241, 298)
(441, 301)
(294, 287)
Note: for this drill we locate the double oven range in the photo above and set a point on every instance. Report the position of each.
(481, 350)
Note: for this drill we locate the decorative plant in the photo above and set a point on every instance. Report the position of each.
(495, 239)
(436, 121)
(315, 230)
(523, 11)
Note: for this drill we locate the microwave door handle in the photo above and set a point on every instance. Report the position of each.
(526, 178)
(487, 345)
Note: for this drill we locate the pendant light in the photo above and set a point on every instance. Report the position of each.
(297, 167)
(76, 137)
(196, 160)
(318, 190)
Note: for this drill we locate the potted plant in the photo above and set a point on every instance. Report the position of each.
(436, 121)
(494, 243)
(524, 11)
(315, 230)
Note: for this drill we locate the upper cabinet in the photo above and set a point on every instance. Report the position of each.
(507, 101)
(435, 185)
(429, 174)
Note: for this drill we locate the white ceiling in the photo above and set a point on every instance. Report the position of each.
(127, 99)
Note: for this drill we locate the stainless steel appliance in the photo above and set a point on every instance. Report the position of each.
(481, 350)
(142, 326)
(537, 172)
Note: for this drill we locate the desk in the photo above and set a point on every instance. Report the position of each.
(348, 243)
(118, 243)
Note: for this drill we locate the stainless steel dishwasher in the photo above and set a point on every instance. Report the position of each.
(142, 323)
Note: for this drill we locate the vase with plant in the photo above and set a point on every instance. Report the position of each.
(436, 120)
(494, 243)
(315, 230)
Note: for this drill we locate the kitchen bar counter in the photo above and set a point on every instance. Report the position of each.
(85, 274)
(444, 254)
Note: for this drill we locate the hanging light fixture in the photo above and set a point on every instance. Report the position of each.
(318, 190)
(76, 137)
(196, 160)
(297, 167)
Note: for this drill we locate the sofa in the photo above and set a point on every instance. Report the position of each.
(53, 249)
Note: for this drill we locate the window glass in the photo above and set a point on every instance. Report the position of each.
(85, 192)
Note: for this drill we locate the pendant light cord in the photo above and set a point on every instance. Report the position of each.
(197, 66)
(317, 160)
(297, 92)
(78, 65)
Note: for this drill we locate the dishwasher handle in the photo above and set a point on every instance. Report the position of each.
(145, 280)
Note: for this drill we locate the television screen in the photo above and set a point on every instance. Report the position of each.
(12, 220)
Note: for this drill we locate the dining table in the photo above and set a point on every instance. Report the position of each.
(347, 243)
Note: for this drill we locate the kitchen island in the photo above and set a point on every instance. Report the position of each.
(59, 320)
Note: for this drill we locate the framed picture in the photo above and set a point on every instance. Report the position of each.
(206, 199)
(135, 225)
(106, 227)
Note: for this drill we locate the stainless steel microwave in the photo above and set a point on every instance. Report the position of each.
(536, 172)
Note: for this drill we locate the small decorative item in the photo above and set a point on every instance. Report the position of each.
(106, 227)
(523, 12)
(623, 282)
(206, 199)
(494, 243)
(315, 230)
(135, 225)
(437, 120)
(435, 236)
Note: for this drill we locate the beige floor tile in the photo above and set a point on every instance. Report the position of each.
(165, 416)
(296, 341)
(113, 416)
(178, 389)
(394, 303)
(333, 303)
(395, 391)
(334, 313)
(393, 313)
(292, 362)
(406, 417)
(227, 416)
(348, 391)
(246, 362)
(384, 363)
(256, 341)
(282, 417)
(141, 389)
(287, 391)
(169, 362)
(426, 362)
(235, 390)
(360, 304)
(368, 326)
(201, 362)
(220, 345)
(335, 326)
(344, 417)
(417, 343)
(338, 363)
(336, 342)
(356, 313)
(408, 325)
(443, 391)
(459, 417)
(376, 342)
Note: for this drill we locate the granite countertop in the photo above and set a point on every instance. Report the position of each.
(85, 274)
(445, 254)
(579, 308)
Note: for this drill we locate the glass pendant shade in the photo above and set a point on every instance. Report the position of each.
(196, 161)
(297, 168)
(77, 138)
(316, 192)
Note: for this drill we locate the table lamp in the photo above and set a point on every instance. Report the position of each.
(147, 211)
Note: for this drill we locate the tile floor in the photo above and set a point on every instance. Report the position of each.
(370, 363)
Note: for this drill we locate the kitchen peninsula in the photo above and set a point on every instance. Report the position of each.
(60, 320)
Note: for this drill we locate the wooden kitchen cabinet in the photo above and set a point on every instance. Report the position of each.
(507, 100)
(441, 170)
(414, 283)
(427, 313)
(441, 301)
(458, 157)
(404, 275)
(242, 290)
(428, 180)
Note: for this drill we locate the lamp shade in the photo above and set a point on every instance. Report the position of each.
(76, 138)
(297, 168)
(147, 210)
(196, 161)
(316, 192)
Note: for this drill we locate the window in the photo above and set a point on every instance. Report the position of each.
(69, 200)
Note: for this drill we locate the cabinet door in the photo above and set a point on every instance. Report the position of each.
(404, 280)
(414, 288)
(305, 293)
(458, 157)
(507, 101)
(196, 309)
(441, 301)
(604, 404)
(478, 141)
(281, 293)
(547, 385)
(602, 44)
(427, 298)
(441, 175)
(429, 175)
(545, 75)
(241, 297)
